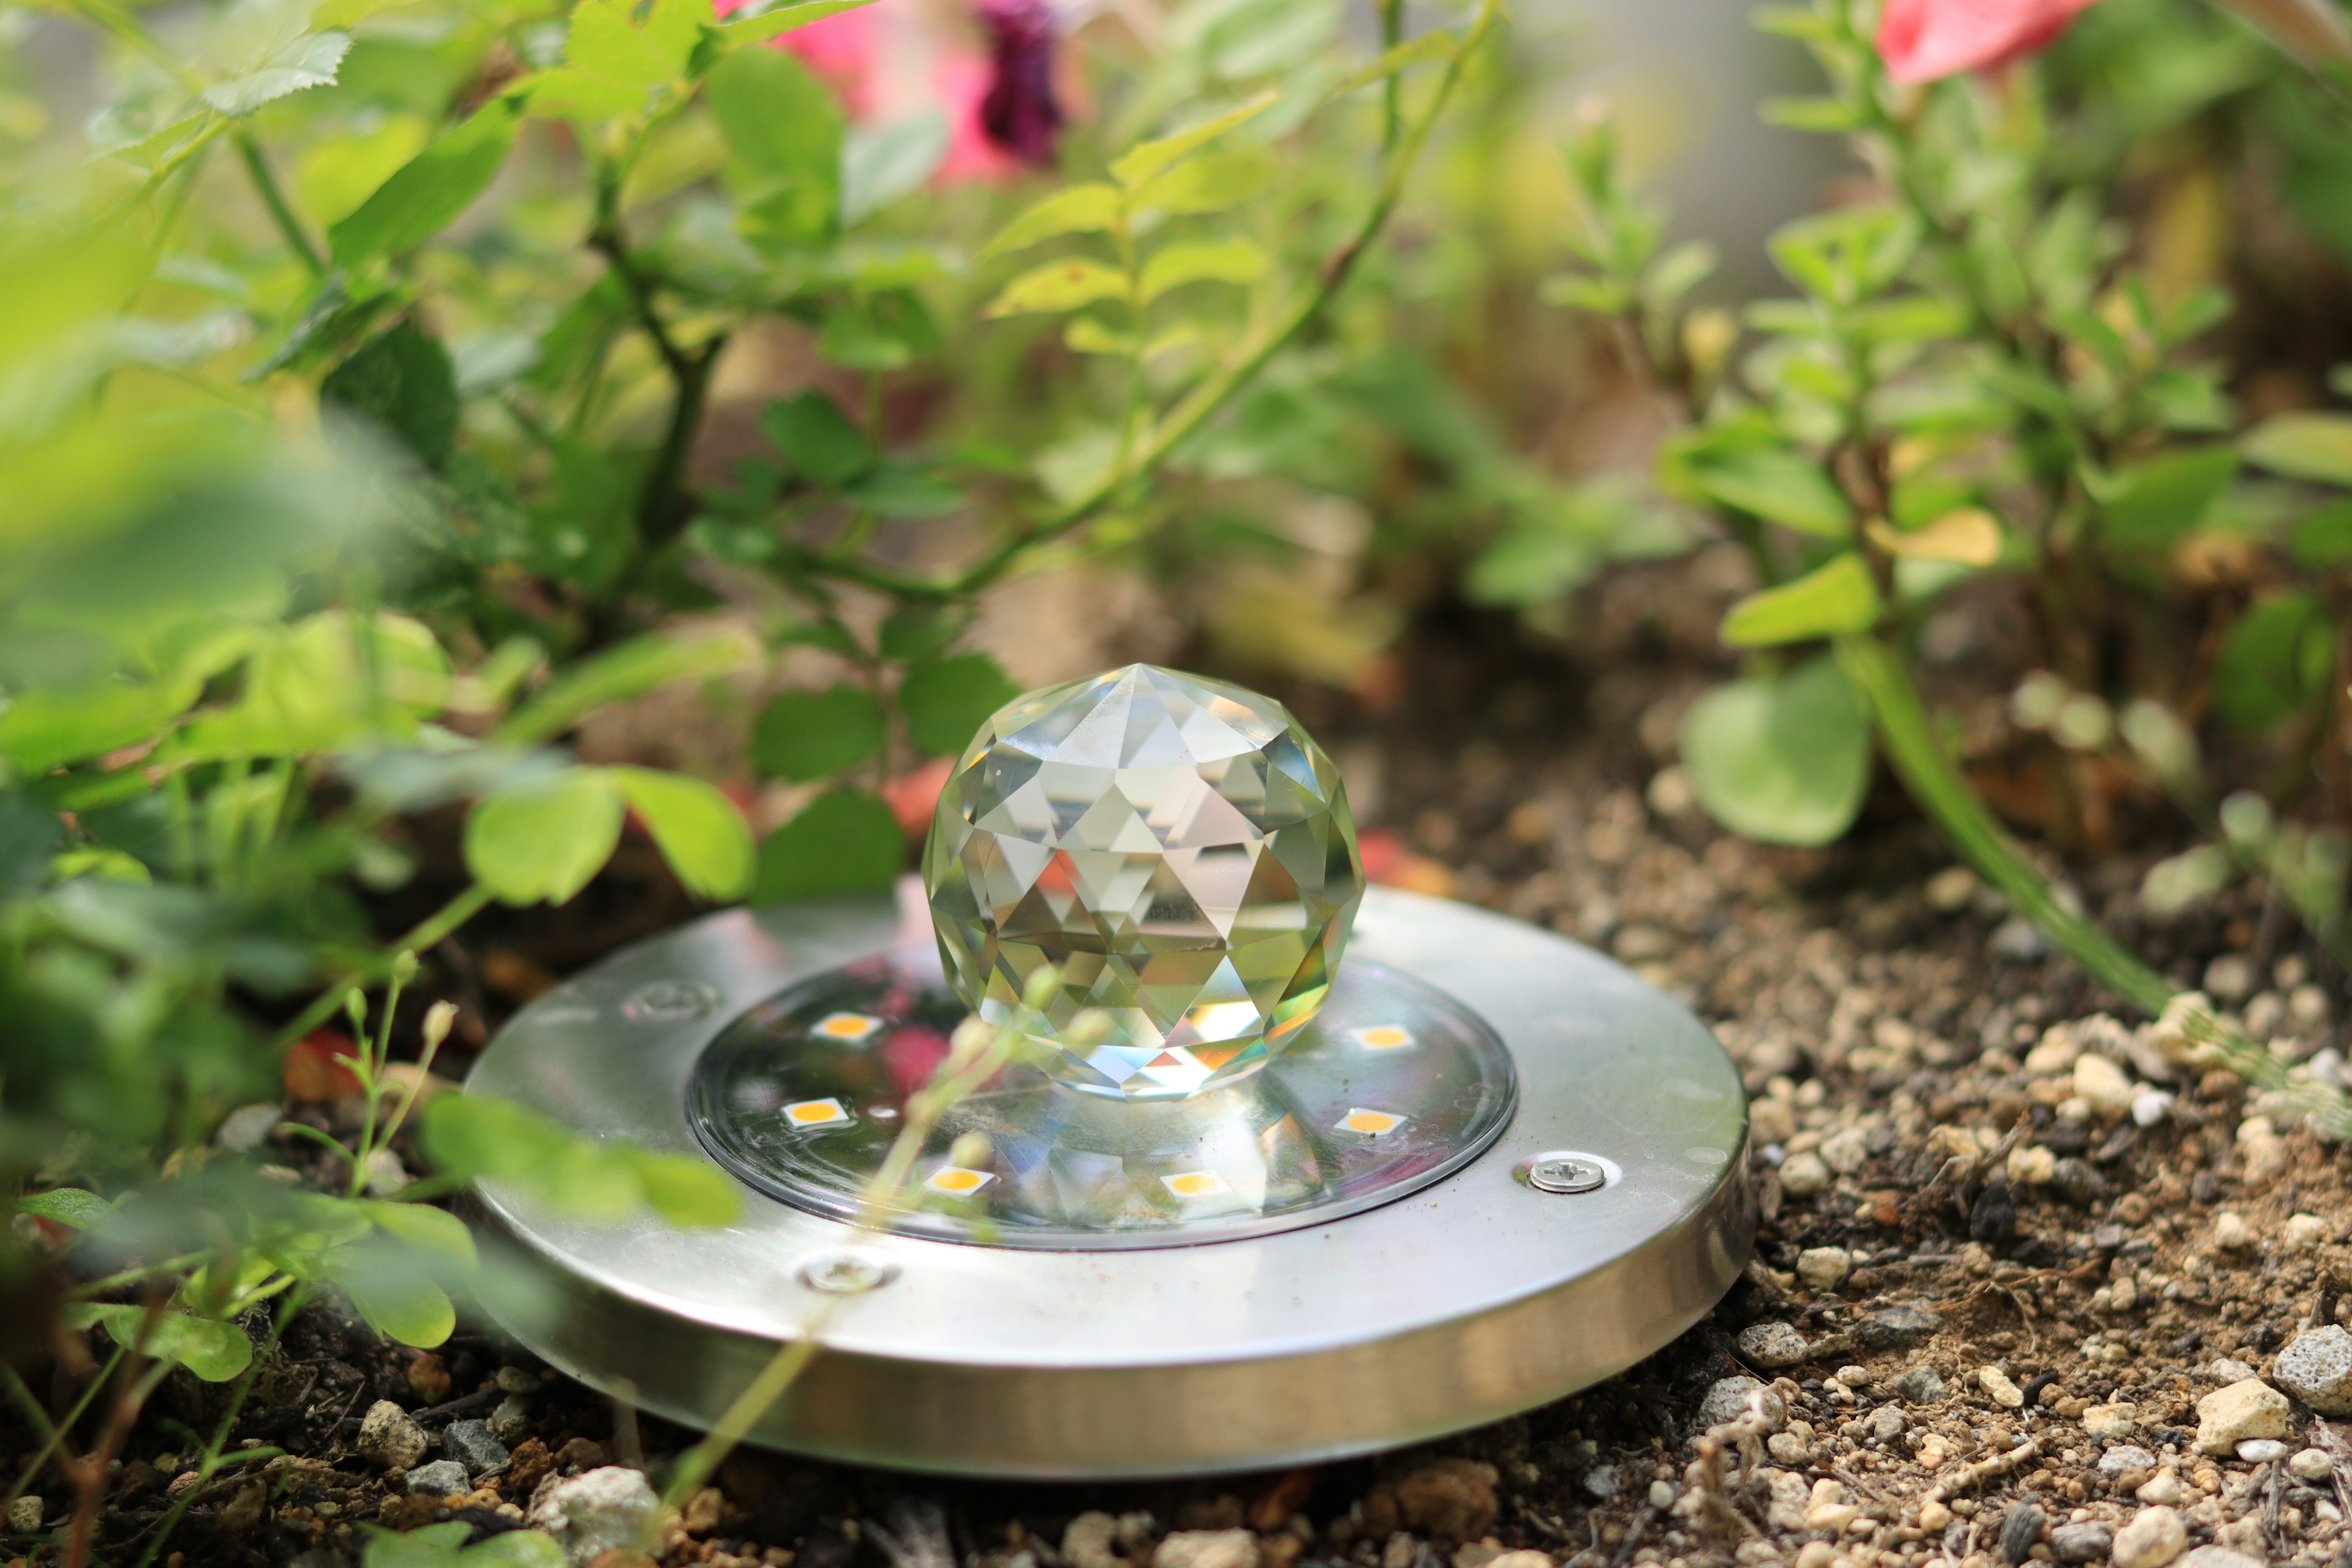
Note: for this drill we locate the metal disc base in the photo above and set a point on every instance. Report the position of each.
(1392, 1085)
(1605, 1219)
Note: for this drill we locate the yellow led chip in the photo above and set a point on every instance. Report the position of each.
(1384, 1038)
(955, 1181)
(1194, 1183)
(815, 1113)
(1370, 1123)
(846, 1028)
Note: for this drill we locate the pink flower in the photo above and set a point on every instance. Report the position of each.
(886, 60)
(1928, 40)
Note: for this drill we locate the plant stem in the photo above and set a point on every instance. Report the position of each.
(273, 198)
(1213, 394)
(1391, 112)
(56, 1431)
(1878, 672)
(420, 937)
(292, 1302)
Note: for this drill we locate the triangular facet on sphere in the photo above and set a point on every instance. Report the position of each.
(1178, 848)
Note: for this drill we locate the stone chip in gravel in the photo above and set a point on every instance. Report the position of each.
(1921, 1385)
(471, 1444)
(1802, 1175)
(2312, 1464)
(1773, 1345)
(2154, 1537)
(2219, 1557)
(2318, 1369)
(2261, 1450)
(1727, 1400)
(2126, 1457)
(2228, 1417)
(1207, 1549)
(391, 1436)
(1825, 1268)
(1896, 1328)
(2084, 1542)
(442, 1477)
(1997, 1384)
(2020, 1528)
(593, 1511)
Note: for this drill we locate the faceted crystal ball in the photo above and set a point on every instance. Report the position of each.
(1178, 848)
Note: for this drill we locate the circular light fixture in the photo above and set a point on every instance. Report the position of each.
(1472, 1169)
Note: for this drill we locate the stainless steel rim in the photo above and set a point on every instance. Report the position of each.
(1476, 1297)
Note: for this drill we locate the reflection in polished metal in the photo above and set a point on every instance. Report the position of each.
(1178, 850)
(1472, 1298)
(805, 1109)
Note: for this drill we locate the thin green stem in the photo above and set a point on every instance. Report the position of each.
(1938, 787)
(1215, 393)
(291, 1303)
(280, 211)
(1392, 109)
(57, 1430)
(422, 936)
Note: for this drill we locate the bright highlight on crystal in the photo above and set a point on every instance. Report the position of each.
(1384, 1038)
(1178, 848)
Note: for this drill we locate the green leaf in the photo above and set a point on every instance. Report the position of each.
(2275, 660)
(1847, 254)
(1208, 183)
(753, 26)
(2323, 540)
(75, 1206)
(401, 380)
(629, 669)
(946, 701)
(544, 837)
(214, 1351)
(44, 728)
(433, 1231)
(2303, 446)
(1831, 599)
(805, 735)
(785, 130)
(399, 1304)
(306, 62)
(698, 831)
(2155, 502)
(1782, 759)
(844, 841)
(882, 162)
(1081, 209)
(627, 45)
(817, 438)
(1059, 286)
(1432, 46)
(685, 1189)
(430, 191)
(1765, 480)
(479, 1138)
(1220, 261)
(1147, 160)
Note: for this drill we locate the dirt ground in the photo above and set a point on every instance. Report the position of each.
(2016, 1276)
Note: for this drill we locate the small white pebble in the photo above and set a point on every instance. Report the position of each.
(1662, 1494)
(1996, 1383)
(2310, 1465)
(2231, 1232)
(2303, 1230)
(2150, 1106)
(2261, 1450)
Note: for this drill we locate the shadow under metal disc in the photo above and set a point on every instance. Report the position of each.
(1604, 1216)
(1392, 1085)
